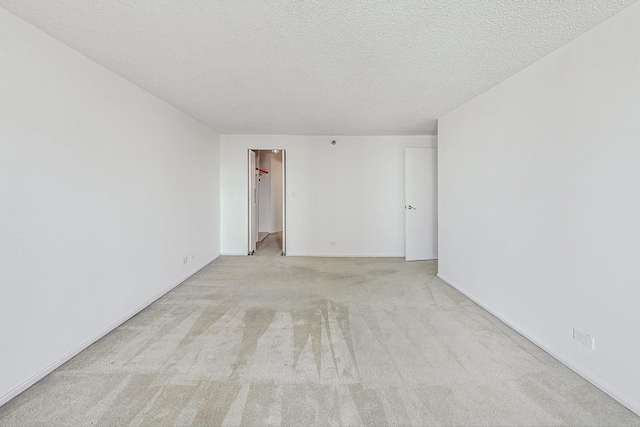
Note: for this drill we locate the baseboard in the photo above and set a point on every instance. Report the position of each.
(314, 255)
(46, 371)
(602, 386)
(344, 256)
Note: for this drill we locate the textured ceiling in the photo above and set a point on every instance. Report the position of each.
(350, 67)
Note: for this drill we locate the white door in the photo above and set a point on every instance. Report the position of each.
(284, 202)
(253, 200)
(421, 203)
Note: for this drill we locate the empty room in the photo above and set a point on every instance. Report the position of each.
(319, 213)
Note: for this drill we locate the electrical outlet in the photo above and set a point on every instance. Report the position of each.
(583, 338)
(185, 260)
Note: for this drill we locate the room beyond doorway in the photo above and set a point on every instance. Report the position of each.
(266, 196)
(270, 245)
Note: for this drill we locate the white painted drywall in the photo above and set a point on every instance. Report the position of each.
(351, 193)
(276, 192)
(264, 192)
(104, 189)
(539, 202)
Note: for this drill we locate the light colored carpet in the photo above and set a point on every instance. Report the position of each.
(271, 245)
(314, 341)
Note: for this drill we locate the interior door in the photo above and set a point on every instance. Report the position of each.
(253, 199)
(421, 203)
(284, 202)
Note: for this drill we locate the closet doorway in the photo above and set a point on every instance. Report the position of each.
(267, 202)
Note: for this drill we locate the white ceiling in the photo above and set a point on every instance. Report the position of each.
(345, 67)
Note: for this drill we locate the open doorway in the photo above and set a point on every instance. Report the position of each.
(267, 202)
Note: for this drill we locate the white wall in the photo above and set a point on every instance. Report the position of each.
(104, 188)
(276, 193)
(270, 192)
(351, 193)
(540, 202)
(264, 193)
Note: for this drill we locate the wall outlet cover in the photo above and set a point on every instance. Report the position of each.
(583, 338)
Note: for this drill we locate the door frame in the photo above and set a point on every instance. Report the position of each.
(284, 197)
(284, 202)
(250, 196)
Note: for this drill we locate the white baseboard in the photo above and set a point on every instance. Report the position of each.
(46, 371)
(289, 254)
(325, 255)
(345, 255)
(596, 382)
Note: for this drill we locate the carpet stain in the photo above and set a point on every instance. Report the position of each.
(256, 322)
